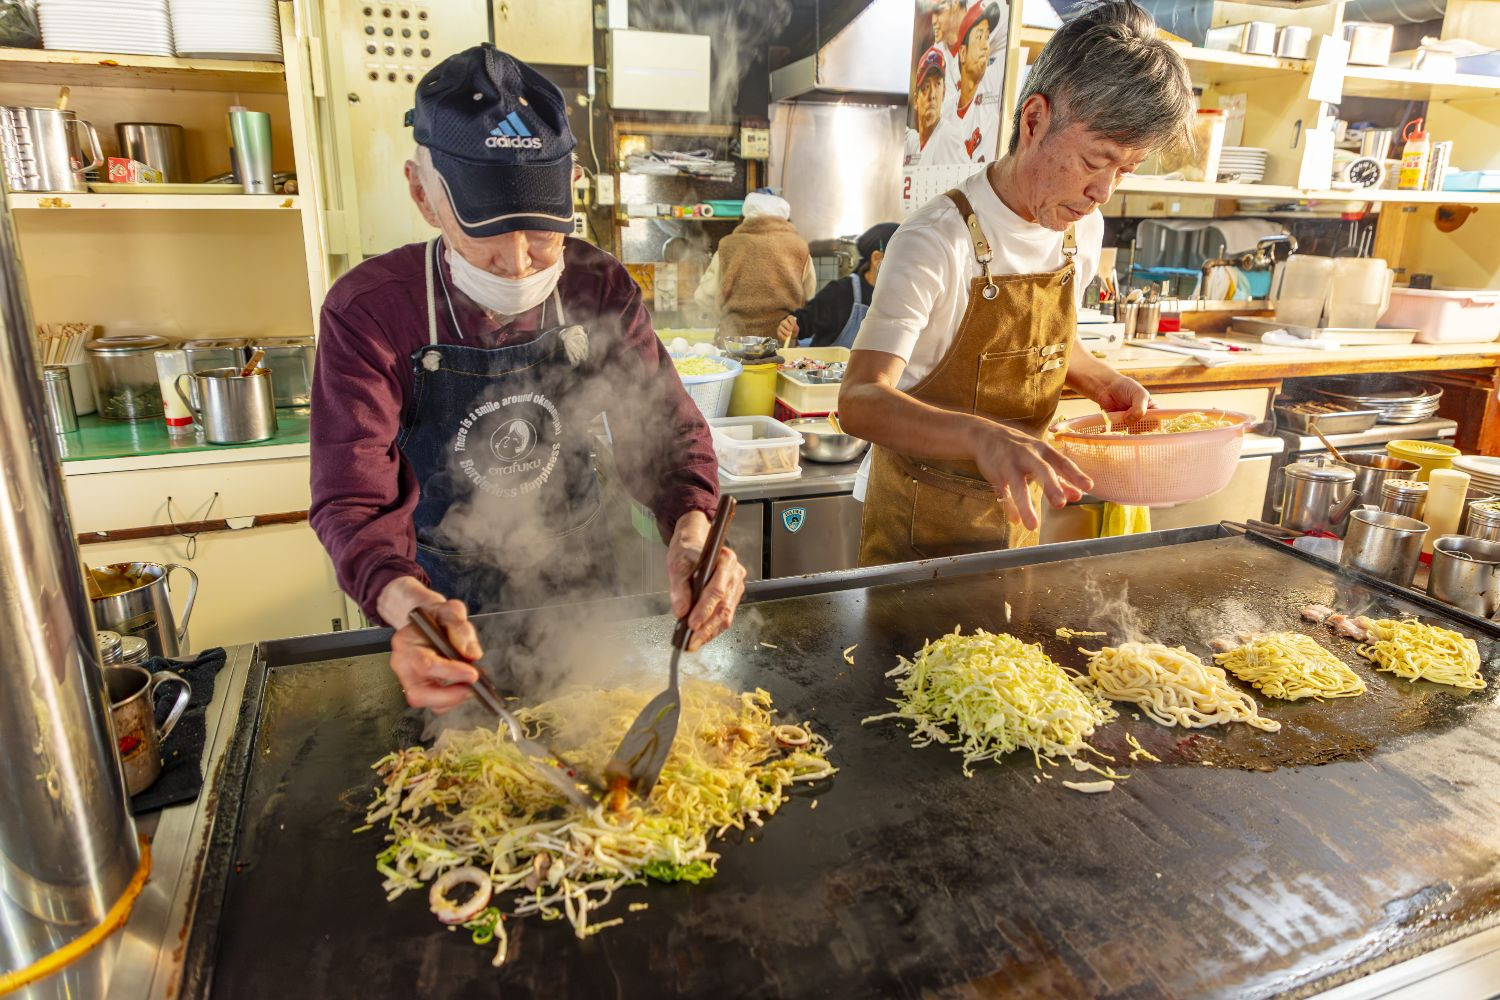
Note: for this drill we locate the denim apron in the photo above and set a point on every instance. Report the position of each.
(856, 315)
(509, 514)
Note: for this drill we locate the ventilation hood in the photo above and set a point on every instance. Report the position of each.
(866, 61)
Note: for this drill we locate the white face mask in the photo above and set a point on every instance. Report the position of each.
(506, 296)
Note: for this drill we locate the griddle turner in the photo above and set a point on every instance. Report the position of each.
(565, 779)
(638, 760)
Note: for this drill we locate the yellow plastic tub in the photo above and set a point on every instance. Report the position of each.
(754, 391)
(1429, 455)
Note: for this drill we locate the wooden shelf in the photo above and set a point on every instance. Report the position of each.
(1415, 85)
(154, 202)
(1137, 184)
(108, 69)
(1207, 65)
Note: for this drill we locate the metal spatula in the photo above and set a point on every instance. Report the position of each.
(638, 760)
(565, 779)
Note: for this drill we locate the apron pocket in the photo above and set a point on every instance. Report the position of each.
(949, 523)
(1007, 385)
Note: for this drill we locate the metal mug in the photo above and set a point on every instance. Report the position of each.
(1372, 472)
(156, 144)
(43, 149)
(1314, 496)
(137, 601)
(132, 706)
(1466, 574)
(1385, 545)
(231, 408)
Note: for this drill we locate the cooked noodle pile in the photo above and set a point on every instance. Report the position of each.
(1172, 686)
(987, 695)
(1195, 421)
(1413, 650)
(1290, 666)
(473, 799)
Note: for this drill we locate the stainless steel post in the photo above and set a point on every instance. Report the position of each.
(67, 842)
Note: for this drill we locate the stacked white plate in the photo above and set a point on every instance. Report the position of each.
(1247, 164)
(1484, 473)
(135, 27)
(227, 29)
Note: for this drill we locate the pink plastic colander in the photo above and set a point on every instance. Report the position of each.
(1148, 469)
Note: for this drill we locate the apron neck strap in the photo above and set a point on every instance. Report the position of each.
(562, 320)
(432, 263)
(1070, 244)
(859, 293)
(982, 252)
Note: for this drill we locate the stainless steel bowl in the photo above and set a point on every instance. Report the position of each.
(825, 444)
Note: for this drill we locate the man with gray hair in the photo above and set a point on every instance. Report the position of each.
(972, 334)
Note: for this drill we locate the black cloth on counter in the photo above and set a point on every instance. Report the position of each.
(182, 753)
(825, 314)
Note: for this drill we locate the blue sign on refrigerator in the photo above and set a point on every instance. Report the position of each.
(793, 518)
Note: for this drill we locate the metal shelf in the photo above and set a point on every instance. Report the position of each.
(1137, 184)
(149, 202)
(1415, 85)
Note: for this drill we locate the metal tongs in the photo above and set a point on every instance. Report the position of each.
(638, 760)
(566, 778)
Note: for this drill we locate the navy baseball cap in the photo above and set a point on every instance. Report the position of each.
(499, 137)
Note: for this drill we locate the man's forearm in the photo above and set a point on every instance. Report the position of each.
(884, 415)
(1087, 375)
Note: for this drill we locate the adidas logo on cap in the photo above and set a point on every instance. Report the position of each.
(512, 133)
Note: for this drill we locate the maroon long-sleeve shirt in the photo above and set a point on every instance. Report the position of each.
(375, 317)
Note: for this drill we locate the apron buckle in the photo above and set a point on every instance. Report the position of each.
(990, 288)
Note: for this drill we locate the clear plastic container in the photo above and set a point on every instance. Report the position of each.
(125, 381)
(756, 446)
(1445, 315)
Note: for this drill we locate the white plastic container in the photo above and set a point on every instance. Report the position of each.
(1445, 315)
(756, 446)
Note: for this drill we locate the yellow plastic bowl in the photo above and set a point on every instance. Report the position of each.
(1428, 455)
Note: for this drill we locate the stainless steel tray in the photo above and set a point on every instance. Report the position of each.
(1332, 421)
(1345, 336)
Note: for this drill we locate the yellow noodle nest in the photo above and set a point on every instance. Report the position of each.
(1413, 650)
(1291, 666)
(1172, 686)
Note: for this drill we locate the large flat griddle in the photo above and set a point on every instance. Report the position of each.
(1240, 866)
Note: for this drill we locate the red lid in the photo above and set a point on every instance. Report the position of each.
(1414, 132)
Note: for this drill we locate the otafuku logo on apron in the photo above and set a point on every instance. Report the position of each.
(794, 518)
(510, 447)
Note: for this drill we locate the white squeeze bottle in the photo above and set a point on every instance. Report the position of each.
(1446, 491)
(1416, 155)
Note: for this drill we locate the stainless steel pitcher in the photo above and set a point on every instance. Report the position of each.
(137, 601)
(43, 149)
(1315, 496)
(231, 408)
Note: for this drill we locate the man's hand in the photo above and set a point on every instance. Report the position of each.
(427, 679)
(786, 331)
(1008, 458)
(1124, 393)
(714, 612)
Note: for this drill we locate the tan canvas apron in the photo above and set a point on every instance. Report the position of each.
(1007, 362)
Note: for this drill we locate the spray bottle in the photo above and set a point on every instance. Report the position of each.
(1415, 156)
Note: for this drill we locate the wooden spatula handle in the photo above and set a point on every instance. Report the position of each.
(717, 533)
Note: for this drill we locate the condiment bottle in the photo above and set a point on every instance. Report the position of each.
(1446, 491)
(1415, 156)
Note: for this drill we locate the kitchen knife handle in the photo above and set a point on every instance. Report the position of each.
(717, 533)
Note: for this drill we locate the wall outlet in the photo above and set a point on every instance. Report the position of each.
(755, 143)
(604, 189)
(581, 225)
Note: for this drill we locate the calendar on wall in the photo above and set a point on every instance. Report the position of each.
(926, 181)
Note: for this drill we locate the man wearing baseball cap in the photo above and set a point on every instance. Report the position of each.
(927, 104)
(970, 127)
(457, 381)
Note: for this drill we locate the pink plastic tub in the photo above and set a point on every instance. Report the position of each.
(1445, 315)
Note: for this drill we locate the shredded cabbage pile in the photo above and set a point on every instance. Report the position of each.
(987, 695)
(699, 366)
(474, 799)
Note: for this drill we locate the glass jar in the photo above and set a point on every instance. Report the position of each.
(125, 383)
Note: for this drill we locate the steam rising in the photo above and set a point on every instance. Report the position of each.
(740, 33)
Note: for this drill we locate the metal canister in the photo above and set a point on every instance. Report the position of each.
(134, 651)
(1405, 497)
(109, 647)
(1314, 496)
(1484, 521)
(57, 392)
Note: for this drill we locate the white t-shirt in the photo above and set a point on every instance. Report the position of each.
(924, 279)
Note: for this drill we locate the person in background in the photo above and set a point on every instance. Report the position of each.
(973, 333)
(457, 381)
(833, 317)
(760, 272)
(927, 104)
